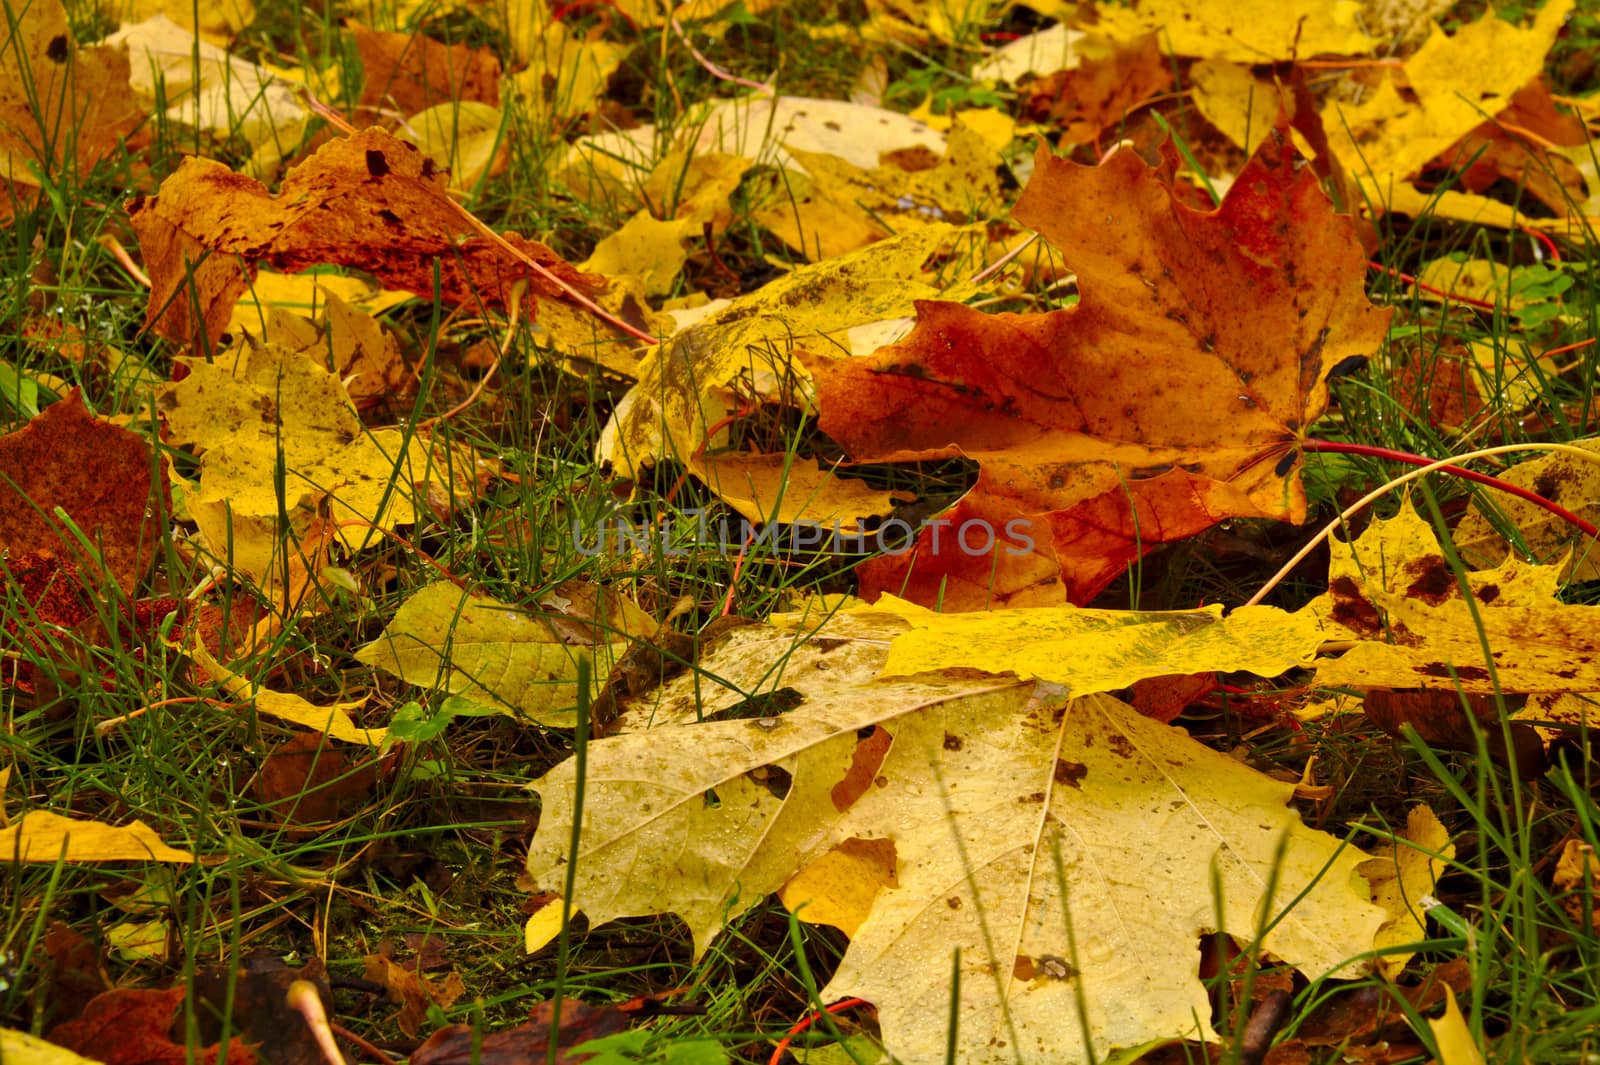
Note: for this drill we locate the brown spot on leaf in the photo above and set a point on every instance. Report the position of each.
(865, 760)
(1446, 670)
(1352, 609)
(1070, 773)
(1432, 581)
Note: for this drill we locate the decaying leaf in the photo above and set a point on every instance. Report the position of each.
(413, 991)
(1394, 594)
(1172, 396)
(976, 811)
(1564, 479)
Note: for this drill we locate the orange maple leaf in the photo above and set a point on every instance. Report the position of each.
(1173, 396)
(368, 201)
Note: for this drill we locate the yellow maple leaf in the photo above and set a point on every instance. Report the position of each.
(951, 811)
(1395, 596)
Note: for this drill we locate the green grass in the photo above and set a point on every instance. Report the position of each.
(431, 842)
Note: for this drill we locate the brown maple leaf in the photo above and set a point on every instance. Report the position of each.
(367, 201)
(1172, 396)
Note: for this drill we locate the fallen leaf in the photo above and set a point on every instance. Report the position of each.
(689, 385)
(1576, 873)
(368, 201)
(307, 296)
(988, 791)
(1257, 31)
(333, 720)
(257, 990)
(46, 836)
(1241, 105)
(1393, 593)
(306, 780)
(832, 208)
(470, 140)
(415, 993)
(407, 73)
(521, 661)
(269, 404)
(1563, 479)
(20, 1046)
(128, 1026)
(204, 87)
(525, 1044)
(1452, 84)
(100, 475)
(1457, 1045)
(1527, 158)
(48, 85)
(1100, 650)
(1403, 879)
(1455, 721)
(1172, 396)
(1096, 95)
(1056, 47)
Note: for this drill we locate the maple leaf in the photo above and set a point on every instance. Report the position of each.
(962, 811)
(1392, 592)
(408, 72)
(269, 403)
(1097, 93)
(1451, 86)
(202, 86)
(130, 1026)
(690, 385)
(1171, 397)
(46, 836)
(368, 201)
(1560, 478)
